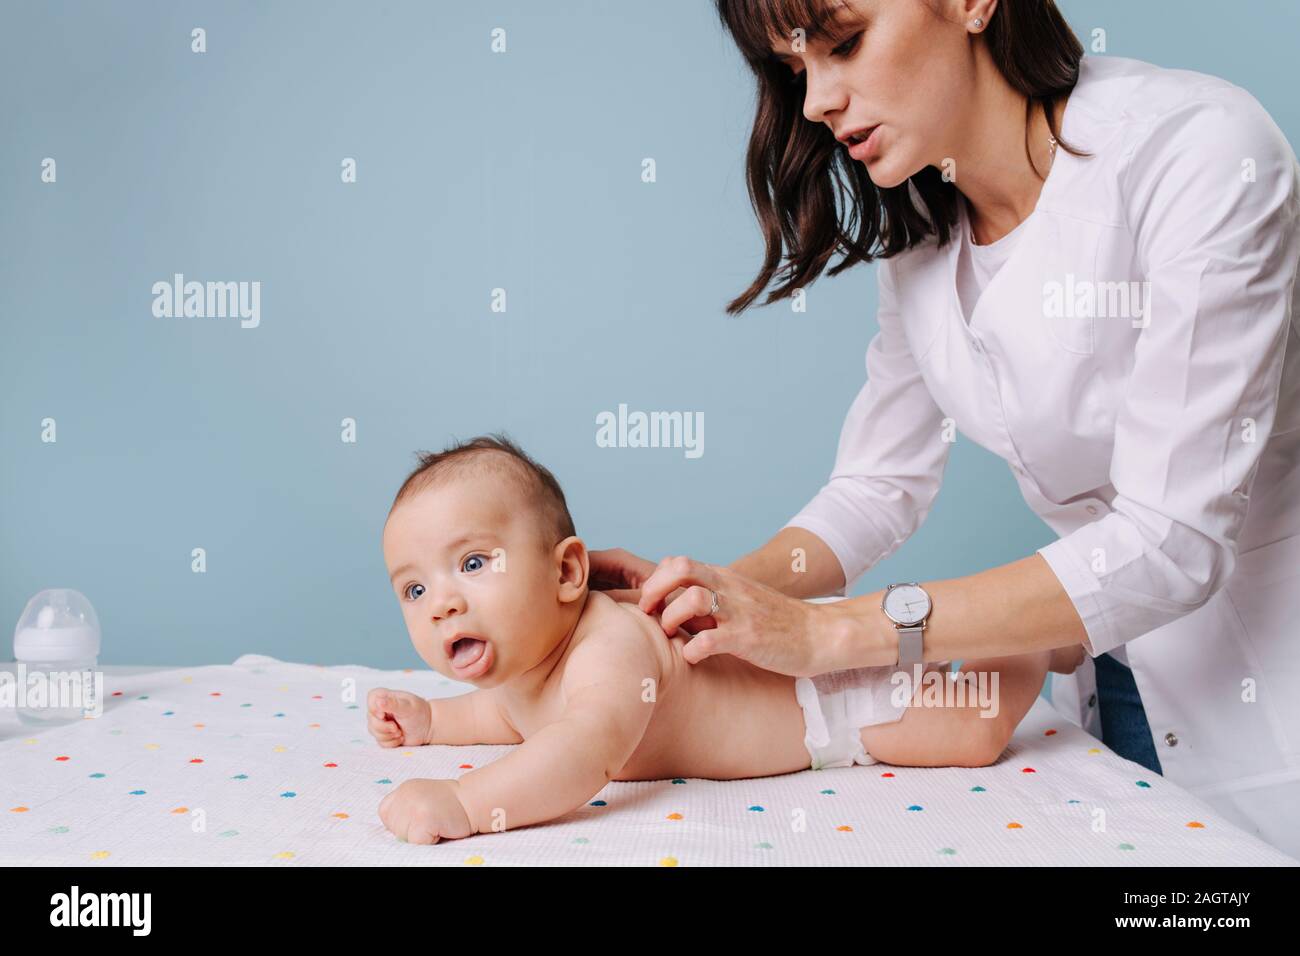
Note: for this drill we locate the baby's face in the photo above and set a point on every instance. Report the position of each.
(478, 587)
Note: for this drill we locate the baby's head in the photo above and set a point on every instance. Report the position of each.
(482, 555)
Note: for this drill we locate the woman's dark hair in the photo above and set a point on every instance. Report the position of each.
(794, 168)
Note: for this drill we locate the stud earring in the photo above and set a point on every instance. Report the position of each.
(977, 23)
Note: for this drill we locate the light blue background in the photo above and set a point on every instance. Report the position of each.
(475, 171)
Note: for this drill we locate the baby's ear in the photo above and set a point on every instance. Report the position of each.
(571, 558)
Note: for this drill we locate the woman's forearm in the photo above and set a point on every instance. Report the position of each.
(1015, 608)
(795, 562)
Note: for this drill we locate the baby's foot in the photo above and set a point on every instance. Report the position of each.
(398, 718)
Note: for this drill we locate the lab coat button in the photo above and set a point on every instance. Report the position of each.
(1171, 739)
(1092, 509)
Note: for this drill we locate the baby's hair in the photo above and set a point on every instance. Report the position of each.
(476, 456)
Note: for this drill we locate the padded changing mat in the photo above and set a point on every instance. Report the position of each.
(265, 762)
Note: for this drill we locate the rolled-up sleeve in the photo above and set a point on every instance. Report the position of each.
(1211, 193)
(891, 455)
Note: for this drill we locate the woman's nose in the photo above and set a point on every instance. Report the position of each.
(823, 94)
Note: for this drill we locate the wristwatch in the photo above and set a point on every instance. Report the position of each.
(908, 606)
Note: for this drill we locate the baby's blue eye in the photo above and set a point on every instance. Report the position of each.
(472, 557)
(407, 592)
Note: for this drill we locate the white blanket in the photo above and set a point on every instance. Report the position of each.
(265, 762)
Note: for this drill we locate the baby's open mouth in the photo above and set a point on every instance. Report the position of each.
(470, 656)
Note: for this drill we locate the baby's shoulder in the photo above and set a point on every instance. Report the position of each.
(615, 636)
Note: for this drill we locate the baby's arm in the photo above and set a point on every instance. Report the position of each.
(567, 762)
(399, 718)
(960, 736)
(473, 718)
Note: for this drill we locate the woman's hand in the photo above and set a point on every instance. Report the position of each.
(753, 621)
(619, 573)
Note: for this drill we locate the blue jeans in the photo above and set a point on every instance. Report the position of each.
(1124, 727)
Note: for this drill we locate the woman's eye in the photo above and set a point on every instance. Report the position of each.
(845, 48)
(409, 588)
(465, 565)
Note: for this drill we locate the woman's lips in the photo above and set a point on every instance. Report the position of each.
(863, 150)
(470, 656)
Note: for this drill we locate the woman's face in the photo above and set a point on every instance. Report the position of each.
(905, 66)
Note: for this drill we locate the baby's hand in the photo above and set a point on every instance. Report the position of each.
(425, 811)
(398, 718)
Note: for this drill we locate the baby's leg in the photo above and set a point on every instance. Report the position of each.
(959, 736)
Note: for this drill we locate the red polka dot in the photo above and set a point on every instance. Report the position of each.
(197, 760)
(886, 774)
(62, 758)
(1028, 770)
(331, 765)
(466, 766)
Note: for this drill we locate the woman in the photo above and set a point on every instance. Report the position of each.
(1088, 266)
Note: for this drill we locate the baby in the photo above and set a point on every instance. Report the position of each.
(492, 582)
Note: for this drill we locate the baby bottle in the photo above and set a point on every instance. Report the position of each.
(56, 644)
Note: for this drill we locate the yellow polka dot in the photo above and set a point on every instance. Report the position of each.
(668, 861)
(1093, 751)
(31, 740)
(341, 816)
(283, 855)
(674, 816)
(188, 680)
(408, 753)
(279, 748)
(283, 687)
(474, 860)
(151, 746)
(181, 810)
(99, 855)
(844, 828)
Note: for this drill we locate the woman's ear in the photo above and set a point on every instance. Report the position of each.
(574, 565)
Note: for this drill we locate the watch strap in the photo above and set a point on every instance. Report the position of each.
(910, 640)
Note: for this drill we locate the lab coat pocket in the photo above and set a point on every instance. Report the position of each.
(1068, 268)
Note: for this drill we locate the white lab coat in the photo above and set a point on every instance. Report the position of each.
(1160, 441)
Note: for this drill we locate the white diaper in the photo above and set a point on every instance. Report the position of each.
(839, 704)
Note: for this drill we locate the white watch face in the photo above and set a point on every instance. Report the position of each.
(907, 604)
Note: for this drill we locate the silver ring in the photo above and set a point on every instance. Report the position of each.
(714, 610)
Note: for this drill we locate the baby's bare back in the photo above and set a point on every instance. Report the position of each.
(719, 719)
